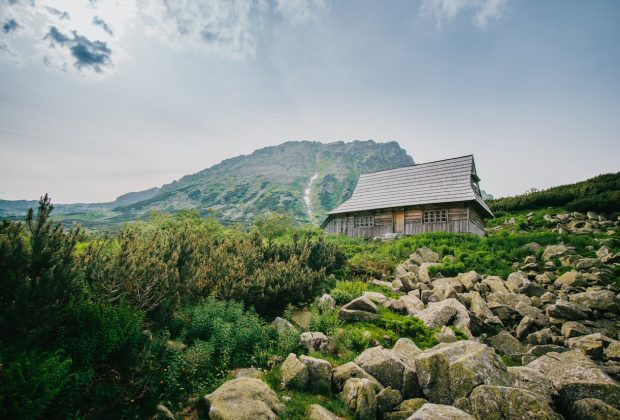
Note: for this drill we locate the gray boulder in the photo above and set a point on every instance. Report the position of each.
(359, 395)
(349, 315)
(506, 344)
(567, 310)
(361, 303)
(317, 412)
(405, 409)
(424, 255)
(556, 251)
(341, 374)
(326, 303)
(387, 400)
(447, 372)
(575, 377)
(593, 409)
(295, 374)
(532, 380)
(500, 402)
(604, 300)
(449, 311)
(383, 365)
(320, 373)
(282, 325)
(314, 341)
(437, 411)
(244, 399)
(479, 308)
(469, 279)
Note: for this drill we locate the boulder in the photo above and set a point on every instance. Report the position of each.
(495, 284)
(570, 278)
(446, 286)
(282, 325)
(423, 274)
(383, 365)
(437, 411)
(469, 279)
(349, 315)
(535, 352)
(447, 372)
(387, 400)
(612, 352)
(375, 297)
(491, 402)
(295, 374)
(313, 341)
(244, 399)
(510, 300)
(537, 338)
(506, 344)
(406, 350)
(604, 300)
(591, 344)
(572, 329)
(575, 377)
(361, 303)
(532, 380)
(359, 395)
(317, 412)
(556, 251)
(525, 326)
(438, 314)
(593, 409)
(424, 255)
(326, 303)
(409, 304)
(320, 372)
(343, 373)
(405, 409)
(567, 310)
(479, 308)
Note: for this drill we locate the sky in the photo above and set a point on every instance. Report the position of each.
(99, 98)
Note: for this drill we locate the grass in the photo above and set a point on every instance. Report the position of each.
(346, 291)
(295, 409)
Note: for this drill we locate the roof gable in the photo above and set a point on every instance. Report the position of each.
(442, 181)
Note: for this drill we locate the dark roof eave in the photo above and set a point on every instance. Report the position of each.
(479, 201)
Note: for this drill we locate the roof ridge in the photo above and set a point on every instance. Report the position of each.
(418, 164)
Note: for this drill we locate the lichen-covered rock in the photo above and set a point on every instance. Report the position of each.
(567, 310)
(525, 326)
(570, 278)
(572, 329)
(535, 352)
(603, 299)
(375, 297)
(424, 255)
(438, 411)
(295, 373)
(317, 412)
(575, 377)
(314, 341)
(505, 343)
(409, 304)
(449, 311)
(359, 395)
(593, 409)
(469, 279)
(320, 373)
(343, 373)
(556, 251)
(406, 350)
(591, 344)
(384, 365)
(491, 402)
(387, 400)
(450, 371)
(612, 352)
(349, 315)
(495, 284)
(244, 399)
(361, 303)
(518, 282)
(479, 308)
(405, 409)
(283, 325)
(531, 380)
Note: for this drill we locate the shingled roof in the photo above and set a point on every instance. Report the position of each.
(442, 181)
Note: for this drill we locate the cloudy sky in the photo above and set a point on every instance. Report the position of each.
(98, 98)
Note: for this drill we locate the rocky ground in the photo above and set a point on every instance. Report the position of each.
(540, 344)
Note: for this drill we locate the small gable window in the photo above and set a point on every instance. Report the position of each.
(432, 216)
(364, 221)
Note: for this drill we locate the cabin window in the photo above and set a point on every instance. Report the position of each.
(431, 216)
(364, 221)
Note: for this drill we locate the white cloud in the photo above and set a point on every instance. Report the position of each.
(222, 27)
(483, 11)
(301, 10)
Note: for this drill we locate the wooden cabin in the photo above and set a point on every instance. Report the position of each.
(442, 196)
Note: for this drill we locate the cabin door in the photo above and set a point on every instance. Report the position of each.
(399, 221)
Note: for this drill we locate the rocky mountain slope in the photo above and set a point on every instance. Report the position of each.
(305, 179)
(541, 343)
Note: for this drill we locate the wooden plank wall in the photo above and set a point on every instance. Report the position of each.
(461, 218)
